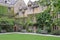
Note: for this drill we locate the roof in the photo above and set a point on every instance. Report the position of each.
(30, 2)
(11, 2)
(33, 4)
(23, 5)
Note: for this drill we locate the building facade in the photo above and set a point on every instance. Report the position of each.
(22, 12)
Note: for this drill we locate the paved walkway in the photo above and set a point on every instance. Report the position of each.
(31, 34)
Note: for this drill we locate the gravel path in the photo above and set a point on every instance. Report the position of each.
(30, 33)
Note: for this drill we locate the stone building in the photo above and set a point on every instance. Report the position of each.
(13, 5)
(20, 9)
(22, 12)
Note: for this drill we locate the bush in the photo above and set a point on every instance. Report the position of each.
(0, 29)
(29, 30)
(9, 29)
(38, 30)
(57, 32)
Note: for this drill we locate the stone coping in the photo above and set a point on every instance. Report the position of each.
(31, 34)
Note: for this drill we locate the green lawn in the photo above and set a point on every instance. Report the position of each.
(26, 37)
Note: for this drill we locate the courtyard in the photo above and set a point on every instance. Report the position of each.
(38, 20)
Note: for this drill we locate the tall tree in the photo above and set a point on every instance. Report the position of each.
(44, 19)
(53, 8)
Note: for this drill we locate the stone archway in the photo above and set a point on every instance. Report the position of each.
(15, 28)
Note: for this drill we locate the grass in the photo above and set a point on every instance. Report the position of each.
(26, 37)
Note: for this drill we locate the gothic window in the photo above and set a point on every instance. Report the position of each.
(55, 27)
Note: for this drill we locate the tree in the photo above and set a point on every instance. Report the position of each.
(6, 20)
(54, 6)
(44, 19)
(6, 23)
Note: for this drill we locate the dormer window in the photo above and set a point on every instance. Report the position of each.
(17, 13)
(20, 9)
(5, 1)
(30, 3)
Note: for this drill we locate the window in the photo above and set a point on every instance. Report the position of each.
(17, 13)
(9, 8)
(5, 1)
(55, 27)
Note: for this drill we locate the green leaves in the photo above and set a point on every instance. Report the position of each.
(3, 10)
(6, 21)
(44, 19)
(58, 22)
(44, 2)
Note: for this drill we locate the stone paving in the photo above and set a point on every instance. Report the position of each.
(31, 34)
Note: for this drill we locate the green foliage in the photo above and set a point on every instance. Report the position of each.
(58, 22)
(6, 24)
(56, 32)
(29, 30)
(38, 30)
(44, 2)
(53, 7)
(29, 21)
(3, 10)
(6, 20)
(44, 19)
(54, 3)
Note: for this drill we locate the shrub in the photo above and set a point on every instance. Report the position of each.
(29, 30)
(38, 30)
(10, 29)
(57, 32)
(0, 29)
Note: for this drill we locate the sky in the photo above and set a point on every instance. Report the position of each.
(26, 1)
